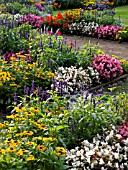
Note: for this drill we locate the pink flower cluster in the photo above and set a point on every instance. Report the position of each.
(39, 7)
(8, 56)
(123, 130)
(33, 20)
(12, 54)
(107, 66)
(107, 32)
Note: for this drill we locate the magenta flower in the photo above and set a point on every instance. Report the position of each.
(107, 66)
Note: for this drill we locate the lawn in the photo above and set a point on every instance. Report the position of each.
(122, 12)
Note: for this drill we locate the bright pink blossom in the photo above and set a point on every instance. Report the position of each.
(107, 66)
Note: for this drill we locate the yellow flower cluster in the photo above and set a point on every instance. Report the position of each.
(123, 34)
(24, 133)
(74, 13)
(40, 75)
(2, 125)
(107, 3)
(5, 76)
(60, 151)
(51, 75)
(114, 56)
(88, 2)
(124, 62)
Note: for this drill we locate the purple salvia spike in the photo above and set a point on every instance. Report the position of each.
(40, 43)
(15, 98)
(33, 86)
(38, 91)
(43, 95)
(25, 89)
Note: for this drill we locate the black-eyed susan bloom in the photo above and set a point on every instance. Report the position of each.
(12, 116)
(41, 148)
(20, 152)
(60, 151)
(28, 133)
(30, 158)
(30, 143)
(2, 125)
(11, 149)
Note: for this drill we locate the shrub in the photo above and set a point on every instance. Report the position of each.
(14, 7)
(119, 2)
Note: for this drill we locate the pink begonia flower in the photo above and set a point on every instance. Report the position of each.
(107, 67)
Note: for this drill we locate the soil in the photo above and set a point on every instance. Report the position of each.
(110, 47)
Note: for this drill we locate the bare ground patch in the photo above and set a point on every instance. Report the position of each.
(108, 46)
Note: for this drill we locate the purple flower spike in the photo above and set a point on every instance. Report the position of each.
(15, 98)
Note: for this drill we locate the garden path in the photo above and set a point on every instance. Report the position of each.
(108, 46)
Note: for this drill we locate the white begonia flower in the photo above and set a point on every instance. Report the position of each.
(86, 148)
(99, 153)
(118, 136)
(88, 159)
(89, 153)
(126, 164)
(109, 164)
(102, 168)
(91, 146)
(126, 142)
(78, 153)
(116, 155)
(117, 165)
(126, 148)
(101, 162)
(106, 152)
(125, 157)
(122, 166)
(85, 143)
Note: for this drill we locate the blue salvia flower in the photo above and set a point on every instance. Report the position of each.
(33, 86)
(43, 95)
(21, 33)
(8, 25)
(40, 43)
(38, 91)
(15, 98)
(13, 22)
(50, 43)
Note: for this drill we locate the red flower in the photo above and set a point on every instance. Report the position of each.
(50, 32)
(65, 25)
(59, 33)
(71, 43)
(66, 14)
(73, 18)
(60, 16)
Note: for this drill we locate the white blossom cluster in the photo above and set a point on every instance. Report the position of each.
(75, 79)
(83, 27)
(106, 152)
